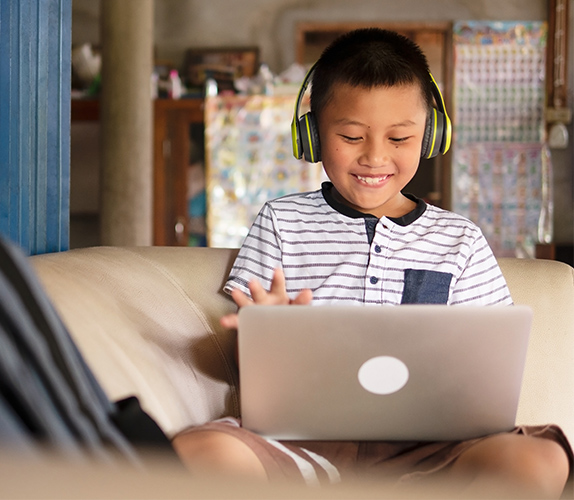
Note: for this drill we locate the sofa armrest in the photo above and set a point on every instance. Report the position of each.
(548, 387)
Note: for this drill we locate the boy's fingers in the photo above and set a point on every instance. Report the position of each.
(277, 294)
(258, 293)
(240, 298)
(278, 283)
(229, 321)
(305, 297)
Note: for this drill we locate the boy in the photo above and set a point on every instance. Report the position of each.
(360, 240)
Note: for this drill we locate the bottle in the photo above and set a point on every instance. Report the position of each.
(266, 79)
(211, 88)
(174, 85)
(154, 85)
(545, 226)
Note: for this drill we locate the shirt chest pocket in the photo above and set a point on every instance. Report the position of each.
(425, 287)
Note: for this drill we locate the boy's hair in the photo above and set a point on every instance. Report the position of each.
(369, 57)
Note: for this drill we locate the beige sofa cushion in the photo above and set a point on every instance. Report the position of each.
(149, 326)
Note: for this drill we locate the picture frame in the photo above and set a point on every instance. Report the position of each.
(224, 64)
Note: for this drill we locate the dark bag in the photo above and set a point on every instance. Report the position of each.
(49, 398)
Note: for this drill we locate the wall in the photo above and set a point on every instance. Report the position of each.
(271, 25)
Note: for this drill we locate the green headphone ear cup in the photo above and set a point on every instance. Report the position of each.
(440, 137)
(309, 138)
(438, 130)
(433, 139)
(427, 138)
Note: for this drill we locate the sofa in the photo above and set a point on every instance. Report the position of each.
(147, 321)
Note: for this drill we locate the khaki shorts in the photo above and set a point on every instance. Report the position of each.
(324, 462)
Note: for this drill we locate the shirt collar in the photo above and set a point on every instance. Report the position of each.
(405, 220)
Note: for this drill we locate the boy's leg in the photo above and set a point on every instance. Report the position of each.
(513, 464)
(530, 462)
(223, 446)
(212, 452)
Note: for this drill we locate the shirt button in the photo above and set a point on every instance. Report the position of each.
(374, 280)
(377, 249)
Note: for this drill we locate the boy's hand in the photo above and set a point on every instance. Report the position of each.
(276, 296)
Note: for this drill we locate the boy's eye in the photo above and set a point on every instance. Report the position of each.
(398, 140)
(350, 139)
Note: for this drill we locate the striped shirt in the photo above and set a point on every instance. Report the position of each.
(344, 256)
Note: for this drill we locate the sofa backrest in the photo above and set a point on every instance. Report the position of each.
(147, 321)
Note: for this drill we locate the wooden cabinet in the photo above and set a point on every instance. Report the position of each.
(177, 144)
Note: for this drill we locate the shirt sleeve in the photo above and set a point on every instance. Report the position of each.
(481, 281)
(259, 255)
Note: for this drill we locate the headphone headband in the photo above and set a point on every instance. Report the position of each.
(447, 131)
(437, 136)
(295, 138)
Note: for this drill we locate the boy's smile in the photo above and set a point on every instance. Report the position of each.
(370, 145)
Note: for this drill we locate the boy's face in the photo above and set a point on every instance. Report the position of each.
(371, 144)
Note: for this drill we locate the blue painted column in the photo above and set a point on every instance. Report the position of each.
(35, 73)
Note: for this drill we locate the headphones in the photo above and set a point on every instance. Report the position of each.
(305, 133)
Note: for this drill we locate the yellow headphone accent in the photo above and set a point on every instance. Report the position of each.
(296, 132)
(305, 134)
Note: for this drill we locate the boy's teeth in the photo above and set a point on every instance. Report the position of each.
(372, 180)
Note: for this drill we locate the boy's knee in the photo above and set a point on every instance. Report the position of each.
(528, 463)
(217, 453)
(553, 461)
(542, 460)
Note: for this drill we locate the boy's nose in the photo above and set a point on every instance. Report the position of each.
(375, 154)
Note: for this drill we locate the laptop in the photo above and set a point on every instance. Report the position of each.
(410, 372)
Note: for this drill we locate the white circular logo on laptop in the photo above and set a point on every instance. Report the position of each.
(383, 375)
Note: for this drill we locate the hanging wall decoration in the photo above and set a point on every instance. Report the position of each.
(249, 161)
(501, 165)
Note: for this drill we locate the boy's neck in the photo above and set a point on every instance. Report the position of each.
(405, 205)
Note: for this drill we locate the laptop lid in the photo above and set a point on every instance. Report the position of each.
(412, 372)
